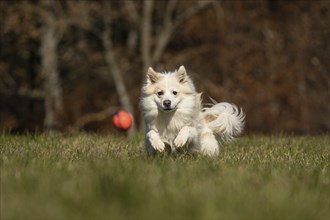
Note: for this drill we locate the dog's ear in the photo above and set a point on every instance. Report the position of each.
(182, 74)
(152, 76)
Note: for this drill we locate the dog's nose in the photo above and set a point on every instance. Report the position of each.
(167, 103)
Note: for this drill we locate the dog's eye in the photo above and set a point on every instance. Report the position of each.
(160, 93)
(175, 92)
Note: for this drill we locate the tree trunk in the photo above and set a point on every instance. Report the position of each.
(113, 66)
(49, 66)
(146, 35)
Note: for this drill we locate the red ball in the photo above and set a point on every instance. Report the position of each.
(122, 120)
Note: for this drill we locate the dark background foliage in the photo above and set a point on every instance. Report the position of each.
(271, 57)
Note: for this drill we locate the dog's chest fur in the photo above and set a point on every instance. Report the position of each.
(169, 125)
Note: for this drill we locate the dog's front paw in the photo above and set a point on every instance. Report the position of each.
(155, 141)
(182, 138)
(158, 145)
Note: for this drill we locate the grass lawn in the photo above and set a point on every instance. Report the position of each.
(110, 177)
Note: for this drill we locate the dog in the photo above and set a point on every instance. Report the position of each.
(176, 120)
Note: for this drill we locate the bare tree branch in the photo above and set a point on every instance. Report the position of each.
(135, 20)
(166, 32)
(169, 11)
(190, 11)
(169, 25)
(146, 33)
(132, 12)
(112, 64)
(93, 117)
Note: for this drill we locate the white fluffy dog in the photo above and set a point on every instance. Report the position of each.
(175, 119)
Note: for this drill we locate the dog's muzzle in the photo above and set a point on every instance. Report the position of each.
(167, 105)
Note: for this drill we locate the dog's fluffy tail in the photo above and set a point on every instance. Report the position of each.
(224, 119)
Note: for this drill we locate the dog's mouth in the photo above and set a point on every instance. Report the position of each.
(167, 109)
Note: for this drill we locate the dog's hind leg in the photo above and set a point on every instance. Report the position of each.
(208, 142)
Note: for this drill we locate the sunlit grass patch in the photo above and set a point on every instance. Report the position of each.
(97, 176)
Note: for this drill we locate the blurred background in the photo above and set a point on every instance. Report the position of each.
(69, 65)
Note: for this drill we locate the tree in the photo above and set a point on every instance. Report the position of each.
(167, 28)
(49, 61)
(112, 64)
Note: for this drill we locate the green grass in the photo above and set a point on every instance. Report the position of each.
(107, 177)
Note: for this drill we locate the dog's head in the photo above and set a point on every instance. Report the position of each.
(168, 89)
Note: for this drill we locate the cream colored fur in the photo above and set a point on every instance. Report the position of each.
(176, 120)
